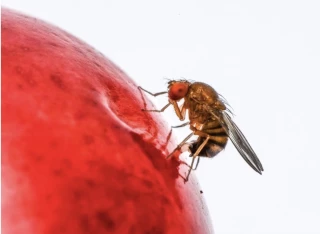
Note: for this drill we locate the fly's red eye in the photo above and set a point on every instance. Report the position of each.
(178, 90)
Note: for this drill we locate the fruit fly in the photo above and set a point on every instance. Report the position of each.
(209, 119)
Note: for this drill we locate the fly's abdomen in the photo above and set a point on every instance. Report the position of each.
(217, 142)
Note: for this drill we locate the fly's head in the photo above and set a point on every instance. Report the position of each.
(178, 89)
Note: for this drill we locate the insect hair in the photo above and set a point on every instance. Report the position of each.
(182, 80)
(229, 109)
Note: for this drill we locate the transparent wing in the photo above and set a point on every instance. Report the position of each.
(238, 139)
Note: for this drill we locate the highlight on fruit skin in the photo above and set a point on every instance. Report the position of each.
(77, 156)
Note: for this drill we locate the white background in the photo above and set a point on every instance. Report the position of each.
(262, 56)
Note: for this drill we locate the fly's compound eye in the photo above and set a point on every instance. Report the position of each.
(178, 91)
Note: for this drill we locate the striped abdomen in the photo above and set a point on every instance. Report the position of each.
(217, 142)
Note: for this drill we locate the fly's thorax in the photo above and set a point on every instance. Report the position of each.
(202, 93)
(199, 119)
(201, 96)
(198, 113)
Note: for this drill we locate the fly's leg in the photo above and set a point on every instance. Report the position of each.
(180, 145)
(153, 94)
(161, 110)
(182, 125)
(196, 155)
(198, 160)
(196, 164)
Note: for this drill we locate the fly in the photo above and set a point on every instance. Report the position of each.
(209, 119)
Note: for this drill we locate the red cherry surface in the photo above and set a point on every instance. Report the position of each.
(78, 154)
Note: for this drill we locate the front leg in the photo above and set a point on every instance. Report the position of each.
(161, 110)
(153, 94)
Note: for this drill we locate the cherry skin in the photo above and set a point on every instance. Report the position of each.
(78, 154)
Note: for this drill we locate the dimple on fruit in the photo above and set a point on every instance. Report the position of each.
(78, 155)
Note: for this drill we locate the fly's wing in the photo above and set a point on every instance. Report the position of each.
(238, 139)
(224, 101)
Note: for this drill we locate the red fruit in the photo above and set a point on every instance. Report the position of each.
(78, 154)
